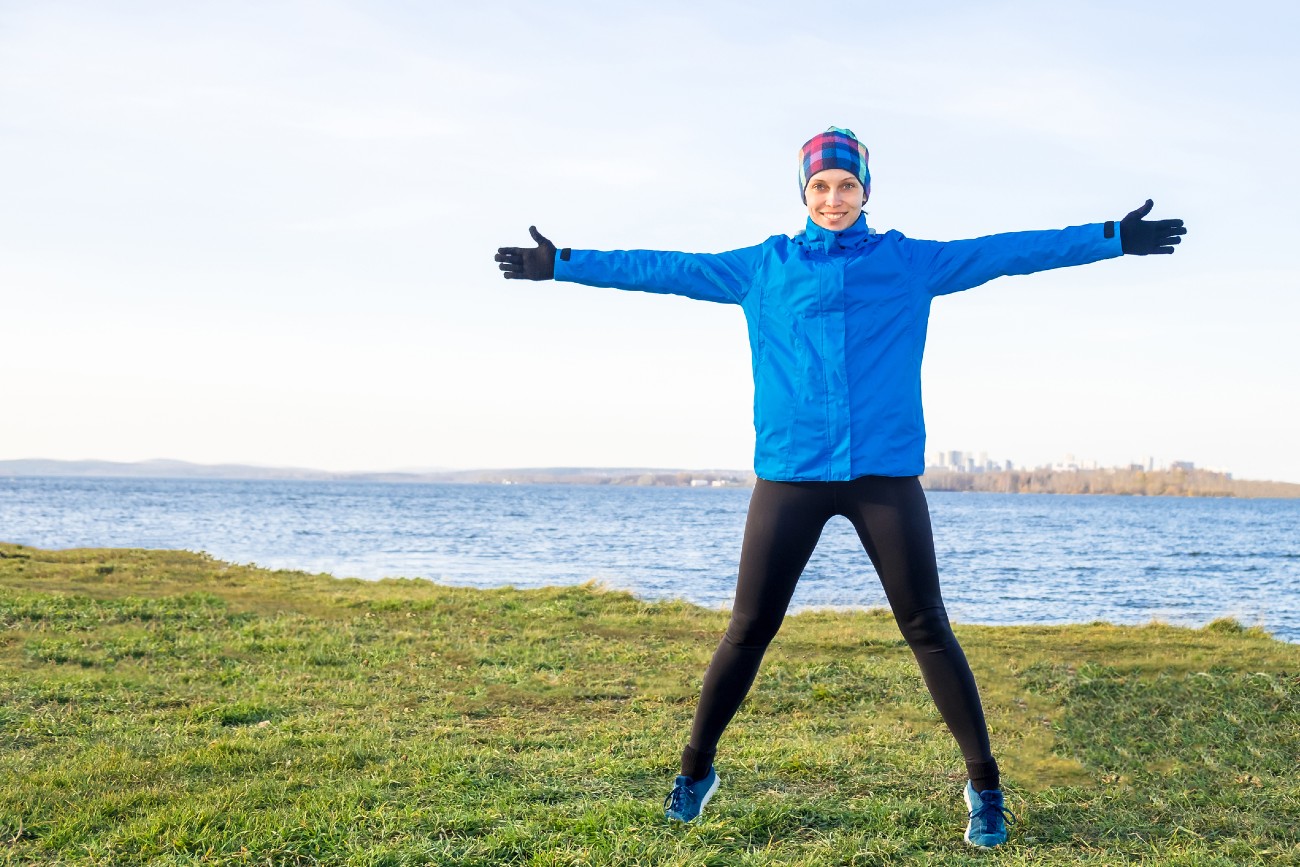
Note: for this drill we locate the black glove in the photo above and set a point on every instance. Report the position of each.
(528, 263)
(1140, 237)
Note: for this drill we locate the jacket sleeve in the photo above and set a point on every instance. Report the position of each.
(951, 266)
(721, 277)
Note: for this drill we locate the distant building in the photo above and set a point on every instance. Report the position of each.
(966, 462)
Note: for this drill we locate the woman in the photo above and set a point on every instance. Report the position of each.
(837, 321)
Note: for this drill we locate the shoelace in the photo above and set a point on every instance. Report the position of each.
(676, 798)
(988, 812)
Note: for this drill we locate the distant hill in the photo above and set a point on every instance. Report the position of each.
(169, 469)
(633, 476)
(157, 469)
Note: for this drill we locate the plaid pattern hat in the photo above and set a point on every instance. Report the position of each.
(834, 149)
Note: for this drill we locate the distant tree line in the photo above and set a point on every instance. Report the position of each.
(1132, 482)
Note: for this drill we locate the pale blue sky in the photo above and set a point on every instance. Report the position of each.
(263, 232)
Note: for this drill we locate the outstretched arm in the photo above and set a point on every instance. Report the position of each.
(721, 277)
(952, 266)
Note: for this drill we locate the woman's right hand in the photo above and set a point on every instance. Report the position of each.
(528, 263)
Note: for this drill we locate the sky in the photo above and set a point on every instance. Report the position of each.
(263, 232)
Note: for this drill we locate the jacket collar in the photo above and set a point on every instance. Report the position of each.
(827, 241)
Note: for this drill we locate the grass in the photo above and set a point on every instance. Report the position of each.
(167, 708)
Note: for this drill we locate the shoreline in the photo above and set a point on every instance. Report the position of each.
(1226, 623)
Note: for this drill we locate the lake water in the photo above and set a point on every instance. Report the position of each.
(1004, 558)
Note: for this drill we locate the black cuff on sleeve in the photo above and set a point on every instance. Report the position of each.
(1110, 229)
(564, 254)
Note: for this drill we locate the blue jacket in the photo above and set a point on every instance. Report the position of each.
(837, 324)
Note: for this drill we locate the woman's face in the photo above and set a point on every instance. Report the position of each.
(835, 198)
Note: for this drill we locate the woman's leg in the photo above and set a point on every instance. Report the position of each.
(784, 523)
(893, 522)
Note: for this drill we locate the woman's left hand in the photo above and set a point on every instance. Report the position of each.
(1141, 237)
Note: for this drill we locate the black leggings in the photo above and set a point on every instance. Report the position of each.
(784, 523)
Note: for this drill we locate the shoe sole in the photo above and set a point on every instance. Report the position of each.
(709, 794)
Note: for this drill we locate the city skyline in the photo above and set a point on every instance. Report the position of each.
(979, 461)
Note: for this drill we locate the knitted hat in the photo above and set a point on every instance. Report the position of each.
(834, 149)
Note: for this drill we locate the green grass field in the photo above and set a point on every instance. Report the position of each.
(167, 708)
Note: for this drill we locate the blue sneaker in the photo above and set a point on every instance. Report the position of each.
(687, 799)
(988, 818)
